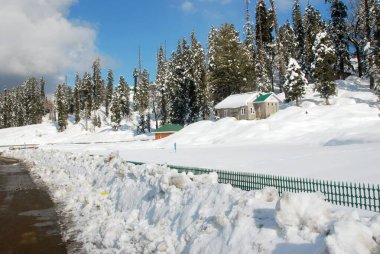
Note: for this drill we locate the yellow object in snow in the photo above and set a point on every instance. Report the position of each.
(104, 193)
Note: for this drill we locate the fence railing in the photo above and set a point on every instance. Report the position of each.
(359, 195)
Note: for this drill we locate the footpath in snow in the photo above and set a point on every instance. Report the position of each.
(117, 207)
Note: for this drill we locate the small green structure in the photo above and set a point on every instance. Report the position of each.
(167, 130)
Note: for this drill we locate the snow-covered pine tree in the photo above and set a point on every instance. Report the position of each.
(295, 82)
(299, 33)
(323, 66)
(177, 88)
(263, 47)
(200, 108)
(109, 90)
(227, 60)
(61, 105)
(77, 90)
(188, 96)
(33, 99)
(70, 100)
(142, 99)
(87, 86)
(249, 50)
(98, 85)
(280, 57)
(339, 35)
(115, 109)
(19, 106)
(161, 87)
(287, 39)
(124, 97)
(312, 24)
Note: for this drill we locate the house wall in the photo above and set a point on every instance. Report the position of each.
(237, 113)
(266, 109)
(161, 135)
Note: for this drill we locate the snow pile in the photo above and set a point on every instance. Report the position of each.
(117, 207)
(303, 211)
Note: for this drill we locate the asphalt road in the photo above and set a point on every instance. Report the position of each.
(28, 221)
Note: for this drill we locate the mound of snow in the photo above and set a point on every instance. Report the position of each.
(116, 207)
(303, 210)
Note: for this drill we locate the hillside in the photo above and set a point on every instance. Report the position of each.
(340, 141)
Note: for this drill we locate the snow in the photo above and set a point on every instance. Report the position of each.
(237, 100)
(117, 207)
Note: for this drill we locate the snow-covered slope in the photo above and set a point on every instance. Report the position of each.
(352, 118)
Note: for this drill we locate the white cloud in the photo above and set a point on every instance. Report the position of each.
(38, 39)
(187, 6)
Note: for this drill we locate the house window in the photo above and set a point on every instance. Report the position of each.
(252, 111)
(225, 112)
(242, 111)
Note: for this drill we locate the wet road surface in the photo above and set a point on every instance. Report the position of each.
(28, 221)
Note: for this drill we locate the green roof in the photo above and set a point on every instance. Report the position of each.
(169, 128)
(263, 97)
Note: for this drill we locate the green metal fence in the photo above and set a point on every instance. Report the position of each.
(359, 195)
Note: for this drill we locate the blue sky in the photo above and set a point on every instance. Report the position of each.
(124, 26)
(56, 38)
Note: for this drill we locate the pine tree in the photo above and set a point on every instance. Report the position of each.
(313, 24)
(295, 82)
(299, 33)
(109, 90)
(249, 51)
(325, 58)
(226, 65)
(87, 86)
(115, 110)
(263, 47)
(199, 101)
(281, 60)
(162, 93)
(61, 105)
(98, 85)
(142, 99)
(287, 39)
(339, 31)
(77, 90)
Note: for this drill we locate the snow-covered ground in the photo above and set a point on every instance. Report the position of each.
(117, 207)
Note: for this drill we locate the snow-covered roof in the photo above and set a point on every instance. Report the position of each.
(237, 100)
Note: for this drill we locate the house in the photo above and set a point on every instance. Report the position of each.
(266, 105)
(167, 130)
(248, 106)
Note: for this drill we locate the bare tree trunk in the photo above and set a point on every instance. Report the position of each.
(279, 46)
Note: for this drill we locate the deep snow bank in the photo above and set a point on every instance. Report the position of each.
(121, 208)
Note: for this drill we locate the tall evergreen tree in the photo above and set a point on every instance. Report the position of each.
(312, 24)
(87, 90)
(109, 90)
(287, 39)
(339, 31)
(263, 47)
(61, 104)
(115, 109)
(295, 82)
(299, 33)
(98, 85)
(226, 65)
(325, 58)
(77, 90)
(200, 108)
(161, 89)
